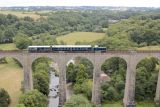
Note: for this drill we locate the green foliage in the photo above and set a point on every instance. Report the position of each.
(41, 64)
(113, 64)
(40, 82)
(3, 61)
(78, 75)
(44, 39)
(41, 75)
(33, 99)
(71, 73)
(87, 64)
(22, 41)
(77, 101)
(20, 105)
(142, 31)
(81, 85)
(146, 79)
(114, 89)
(57, 23)
(4, 98)
(81, 74)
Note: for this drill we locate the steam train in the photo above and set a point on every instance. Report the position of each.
(65, 48)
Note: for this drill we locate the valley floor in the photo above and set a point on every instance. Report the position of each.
(11, 76)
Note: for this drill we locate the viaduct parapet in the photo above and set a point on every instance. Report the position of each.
(132, 58)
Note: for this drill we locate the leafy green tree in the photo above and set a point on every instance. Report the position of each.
(33, 99)
(4, 98)
(114, 89)
(22, 41)
(146, 79)
(88, 65)
(71, 73)
(77, 101)
(41, 67)
(41, 82)
(45, 39)
(8, 35)
(81, 74)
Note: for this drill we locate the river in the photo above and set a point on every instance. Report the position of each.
(53, 93)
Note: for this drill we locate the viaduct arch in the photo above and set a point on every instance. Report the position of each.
(132, 58)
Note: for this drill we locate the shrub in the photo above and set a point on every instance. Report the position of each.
(4, 98)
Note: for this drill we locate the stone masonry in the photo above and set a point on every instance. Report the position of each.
(132, 58)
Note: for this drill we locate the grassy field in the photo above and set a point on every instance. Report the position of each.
(72, 38)
(139, 104)
(10, 46)
(21, 14)
(149, 48)
(11, 76)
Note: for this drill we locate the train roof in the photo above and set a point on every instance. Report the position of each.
(63, 46)
(72, 46)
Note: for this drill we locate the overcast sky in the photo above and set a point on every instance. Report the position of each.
(129, 3)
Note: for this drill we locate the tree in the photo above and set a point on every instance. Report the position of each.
(41, 82)
(8, 35)
(4, 98)
(81, 74)
(77, 101)
(87, 64)
(33, 99)
(71, 73)
(146, 79)
(45, 39)
(22, 41)
(114, 89)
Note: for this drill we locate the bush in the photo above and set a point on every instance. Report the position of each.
(78, 101)
(22, 41)
(41, 82)
(4, 98)
(33, 99)
(20, 105)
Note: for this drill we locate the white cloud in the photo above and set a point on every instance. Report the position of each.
(137, 3)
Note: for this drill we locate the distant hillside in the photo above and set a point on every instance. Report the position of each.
(139, 31)
(21, 14)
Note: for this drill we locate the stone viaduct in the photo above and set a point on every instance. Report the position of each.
(132, 58)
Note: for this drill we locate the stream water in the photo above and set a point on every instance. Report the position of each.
(54, 90)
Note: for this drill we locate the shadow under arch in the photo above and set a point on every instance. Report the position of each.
(113, 78)
(11, 77)
(73, 66)
(146, 79)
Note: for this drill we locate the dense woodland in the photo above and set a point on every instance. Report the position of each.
(131, 29)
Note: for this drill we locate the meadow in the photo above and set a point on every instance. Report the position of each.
(9, 46)
(21, 14)
(74, 37)
(149, 48)
(11, 76)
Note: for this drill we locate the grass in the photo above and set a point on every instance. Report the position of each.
(72, 38)
(149, 48)
(115, 104)
(139, 104)
(21, 14)
(10, 46)
(11, 76)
